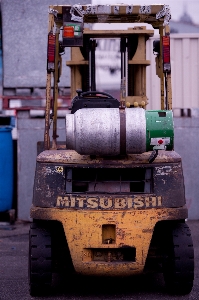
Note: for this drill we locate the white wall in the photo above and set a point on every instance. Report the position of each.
(185, 72)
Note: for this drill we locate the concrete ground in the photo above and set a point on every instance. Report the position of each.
(14, 274)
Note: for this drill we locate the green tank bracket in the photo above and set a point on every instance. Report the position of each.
(159, 130)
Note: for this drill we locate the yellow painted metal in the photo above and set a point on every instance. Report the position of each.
(141, 30)
(84, 232)
(168, 78)
(55, 90)
(169, 91)
(77, 60)
(108, 234)
(141, 101)
(161, 29)
(73, 158)
(57, 8)
(48, 94)
(47, 112)
(125, 14)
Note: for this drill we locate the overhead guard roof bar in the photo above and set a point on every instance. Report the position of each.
(156, 14)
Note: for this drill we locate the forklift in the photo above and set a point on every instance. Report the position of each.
(110, 199)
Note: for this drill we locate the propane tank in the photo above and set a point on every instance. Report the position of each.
(114, 131)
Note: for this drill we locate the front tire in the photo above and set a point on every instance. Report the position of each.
(40, 258)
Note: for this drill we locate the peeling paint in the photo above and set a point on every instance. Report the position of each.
(145, 9)
(116, 10)
(129, 9)
(72, 157)
(166, 13)
(139, 224)
(162, 171)
(53, 12)
(50, 170)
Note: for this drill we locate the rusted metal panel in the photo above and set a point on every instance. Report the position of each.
(51, 188)
(72, 157)
(84, 231)
(154, 14)
(49, 182)
(168, 182)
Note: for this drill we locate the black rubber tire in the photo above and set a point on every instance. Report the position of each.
(178, 259)
(40, 258)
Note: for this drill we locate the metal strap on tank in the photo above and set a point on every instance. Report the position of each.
(122, 131)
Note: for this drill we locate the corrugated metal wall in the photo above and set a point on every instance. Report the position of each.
(185, 72)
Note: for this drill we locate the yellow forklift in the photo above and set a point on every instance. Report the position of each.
(110, 200)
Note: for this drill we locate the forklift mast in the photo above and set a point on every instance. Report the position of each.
(67, 28)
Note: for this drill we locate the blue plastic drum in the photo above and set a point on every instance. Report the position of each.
(6, 168)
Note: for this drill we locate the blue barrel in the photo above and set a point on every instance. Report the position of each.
(6, 168)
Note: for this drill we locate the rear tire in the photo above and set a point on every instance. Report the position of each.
(40, 258)
(178, 259)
